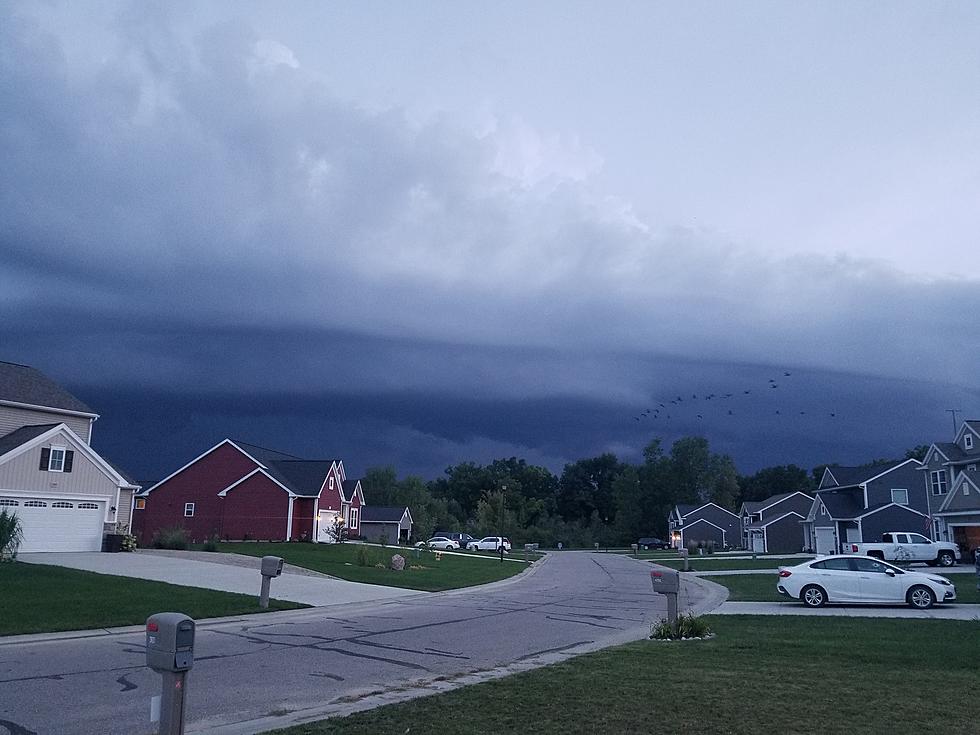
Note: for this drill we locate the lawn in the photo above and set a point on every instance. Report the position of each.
(717, 564)
(451, 571)
(40, 599)
(762, 587)
(759, 675)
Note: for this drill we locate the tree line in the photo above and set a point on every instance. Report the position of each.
(595, 500)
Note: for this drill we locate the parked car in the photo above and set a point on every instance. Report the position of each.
(463, 539)
(906, 547)
(652, 543)
(439, 542)
(489, 543)
(861, 579)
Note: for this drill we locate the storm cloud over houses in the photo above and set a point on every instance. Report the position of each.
(204, 234)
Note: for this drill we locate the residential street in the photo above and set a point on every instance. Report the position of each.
(268, 670)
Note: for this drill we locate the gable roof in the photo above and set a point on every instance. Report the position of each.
(842, 503)
(849, 476)
(760, 525)
(22, 384)
(954, 496)
(302, 476)
(695, 508)
(754, 506)
(21, 436)
(683, 509)
(384, 513)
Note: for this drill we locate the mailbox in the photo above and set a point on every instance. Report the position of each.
(271, 566)
(169, 642)
(666, 582)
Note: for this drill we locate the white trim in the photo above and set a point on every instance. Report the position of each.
(899, 490)
(891, 469)
(58, 496)
(704, 520)
(772, 505)
(826, 471)
(784, 515)
(289, 518)
(355, 515)
(49, 409)
(932, 448)
(64, 455)
(955, 487)
(144, 493)
(878, 510)
(733, 515)
(262, 470)
(78, 446)
(960, 513)
(192, 507)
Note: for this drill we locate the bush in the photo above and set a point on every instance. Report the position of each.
(171, 538)
(212, 543)
(364, 557)
(11, 534)
(688, 626)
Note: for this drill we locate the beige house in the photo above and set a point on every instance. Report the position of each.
(65, 494)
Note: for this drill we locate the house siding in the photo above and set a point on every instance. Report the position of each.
(783, 536)
(894, 518)
(702, 531)
(906, 478)
(198, 483)
(373, 531)
(85, 478)
(302, 518)
(256, 509)
(12, 418)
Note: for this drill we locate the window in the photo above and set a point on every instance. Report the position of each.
(330, 482)
(62, 504)
(900, 496)
(971, 468)
(938, 480)
(188, 510)
(862, 564)
(918, 538)
(834, 565)
(7, 501)
(968, 441)
(353, 517)
(966, 489)
(35, 504)
(140, 503)
(88, 506)
(56, 459)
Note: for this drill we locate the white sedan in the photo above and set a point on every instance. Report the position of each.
(439, 542)
(861, 579)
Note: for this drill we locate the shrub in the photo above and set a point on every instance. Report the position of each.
(364, 557)
(383, 539)
(11, 534)
(688, 626)
(212, 543)
(171, 538)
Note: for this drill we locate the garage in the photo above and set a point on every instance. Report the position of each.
(826, 541)
(325, 526)
(58, 524)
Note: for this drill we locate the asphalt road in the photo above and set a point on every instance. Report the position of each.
(268, 670)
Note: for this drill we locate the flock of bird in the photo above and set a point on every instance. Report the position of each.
(667, 407)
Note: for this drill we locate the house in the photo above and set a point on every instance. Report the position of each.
(391, 524)
(65, 494)
(692, 524)
(240, 491)
(773, 525)
(858, 504)
(953, 487)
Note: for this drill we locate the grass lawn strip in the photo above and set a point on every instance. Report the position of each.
(714, 564)
(445, 572)
(37, 598)
(762, 587)
(788, 675)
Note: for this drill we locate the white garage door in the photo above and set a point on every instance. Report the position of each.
(58, 525)
(326, 526)
(758, 543)
(826, 541)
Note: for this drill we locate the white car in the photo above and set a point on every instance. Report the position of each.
(439, 542)
(861, 579)
(489, 543)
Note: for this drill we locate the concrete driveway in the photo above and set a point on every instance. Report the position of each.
(238, 575)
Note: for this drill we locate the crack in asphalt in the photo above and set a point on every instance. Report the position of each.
(425, 652)
(552, 650)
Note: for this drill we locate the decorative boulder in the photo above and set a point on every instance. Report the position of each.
(398, 562)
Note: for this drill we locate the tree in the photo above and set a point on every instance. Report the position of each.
(773, 480)
(585, 487)
(917, 452)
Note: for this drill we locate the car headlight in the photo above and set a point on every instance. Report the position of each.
(944, 582)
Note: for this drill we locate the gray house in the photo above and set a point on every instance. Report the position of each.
(392, 524)
(858, 504)
(65, 494)
(773, 525)
(952, 481)
(707, 522)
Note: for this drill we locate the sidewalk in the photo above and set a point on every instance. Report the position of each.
(939, 612)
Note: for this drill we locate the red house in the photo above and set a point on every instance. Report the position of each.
(239, 491)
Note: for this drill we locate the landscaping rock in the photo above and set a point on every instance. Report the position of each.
(398, 562)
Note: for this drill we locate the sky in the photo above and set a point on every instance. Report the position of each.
(418, 234)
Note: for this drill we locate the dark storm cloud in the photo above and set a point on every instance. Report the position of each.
(204, 217)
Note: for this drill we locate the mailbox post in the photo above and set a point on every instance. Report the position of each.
(271, 567)
(684, 556)
(170, 651)
(668, 583)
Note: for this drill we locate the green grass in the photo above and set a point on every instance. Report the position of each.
(37, 598)
(835, 676)
(762, 587)
(716, 564)
(340, 560)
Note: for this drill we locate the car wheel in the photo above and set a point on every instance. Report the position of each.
(920, 597)
(946, 559)
(813, 596)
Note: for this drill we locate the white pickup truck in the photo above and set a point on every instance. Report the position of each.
(908, 547)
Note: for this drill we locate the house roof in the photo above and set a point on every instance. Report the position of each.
(754, 506)
(302, 476)
(20, 436)
(261, 454)
(842, 503)
(975, 425)
(953, 452)
(848, 476)
(683, 509)
(382, 513)
(24, 384)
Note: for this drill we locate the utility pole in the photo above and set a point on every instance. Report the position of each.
(954, 411)
(503, 492)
